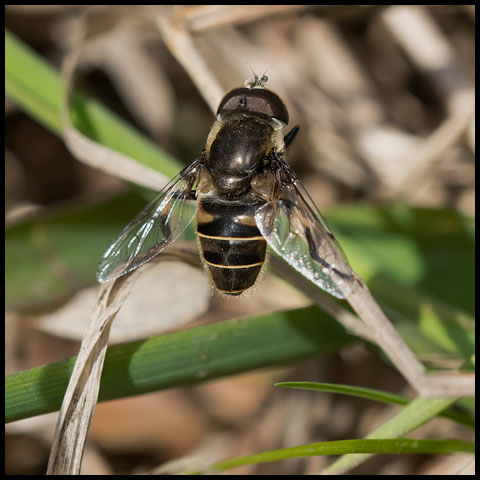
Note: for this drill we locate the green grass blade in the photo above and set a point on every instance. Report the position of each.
(73, 237)
(183, 358)
(429, 250)
(340, 447)
(375, 395)
(32, 83)
(37, 87)
(415, 414)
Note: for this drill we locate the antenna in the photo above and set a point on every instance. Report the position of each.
(256, 82)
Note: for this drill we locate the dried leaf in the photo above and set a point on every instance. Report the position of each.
(156, 304)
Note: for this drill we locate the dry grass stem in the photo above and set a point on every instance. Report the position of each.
(82, 391)
(93, 153)
(425, 156)
(351, 322)
(148, 96)
(182, 46)
(452, 384)
(374, 326)
(417, 33)
(208, 17)
(468, 469)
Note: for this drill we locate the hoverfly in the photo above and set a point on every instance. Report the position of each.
(246, 197)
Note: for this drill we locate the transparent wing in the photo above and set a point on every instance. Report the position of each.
(296, 230)
(158, 225)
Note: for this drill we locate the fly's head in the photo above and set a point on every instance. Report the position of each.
(255, 99)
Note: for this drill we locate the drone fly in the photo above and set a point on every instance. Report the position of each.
(246, 197)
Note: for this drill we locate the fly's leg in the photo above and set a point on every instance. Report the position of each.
(288, 138)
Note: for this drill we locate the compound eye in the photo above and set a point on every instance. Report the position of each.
(258, 100)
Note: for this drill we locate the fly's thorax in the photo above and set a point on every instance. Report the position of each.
(216, 127)
(237, 148)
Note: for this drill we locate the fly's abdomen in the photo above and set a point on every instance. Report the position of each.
(231, 245)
